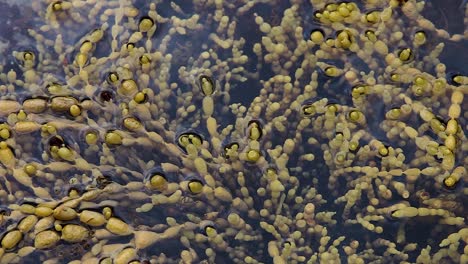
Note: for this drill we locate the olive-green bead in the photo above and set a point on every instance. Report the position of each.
(146, 24)
(195, 186)
(113, 138)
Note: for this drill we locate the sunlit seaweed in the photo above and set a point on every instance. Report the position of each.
(244, 131)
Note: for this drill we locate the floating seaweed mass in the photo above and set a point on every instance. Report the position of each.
(249, 131)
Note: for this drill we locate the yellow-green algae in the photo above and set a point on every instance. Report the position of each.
(249, 131)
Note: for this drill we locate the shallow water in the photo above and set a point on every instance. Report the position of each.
(225, 132)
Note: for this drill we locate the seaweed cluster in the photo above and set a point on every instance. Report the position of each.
(243, 131)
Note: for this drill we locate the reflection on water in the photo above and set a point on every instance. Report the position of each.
(233, 131)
